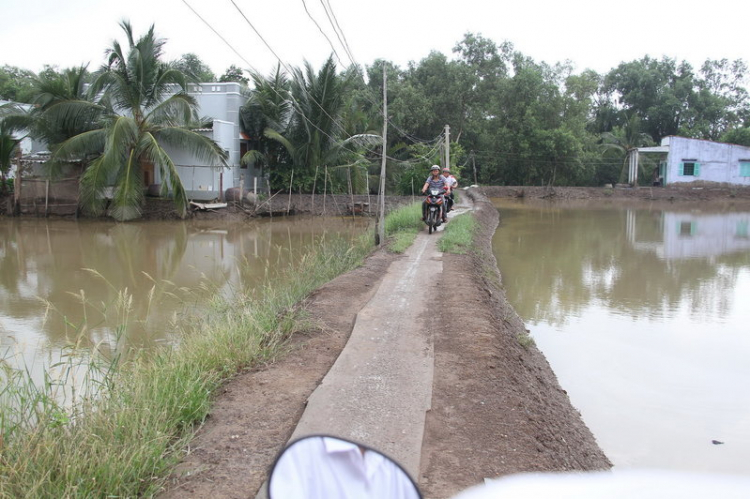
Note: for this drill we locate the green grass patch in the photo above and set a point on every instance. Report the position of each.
(400, 241)
(402, 226)
(134, 414)
(458, 235)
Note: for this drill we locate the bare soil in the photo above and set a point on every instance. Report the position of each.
(704, 192)
(497, 407)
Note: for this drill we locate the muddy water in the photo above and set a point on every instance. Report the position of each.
(65, 282)
(644, 315)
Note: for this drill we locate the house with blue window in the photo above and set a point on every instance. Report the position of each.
(684, 160)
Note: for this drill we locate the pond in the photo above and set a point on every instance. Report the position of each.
(78, 282)
(644, 315)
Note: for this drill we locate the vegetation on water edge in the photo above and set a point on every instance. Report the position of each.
(458, 235)
(133, 415)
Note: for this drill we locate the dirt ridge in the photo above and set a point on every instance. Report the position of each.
(496, 409)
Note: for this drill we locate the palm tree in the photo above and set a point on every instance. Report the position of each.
(317, 136)
(13, 119)
(625, 140)
(53, 92)
(267, 113)
(144, 106)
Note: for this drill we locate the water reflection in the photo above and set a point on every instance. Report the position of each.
(63, 280)
(635, 262)
(642, 314)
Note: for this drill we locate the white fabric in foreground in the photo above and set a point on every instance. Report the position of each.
(626, 484)
(328, 468)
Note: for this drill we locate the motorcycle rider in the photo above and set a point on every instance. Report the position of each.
(452, 183)
(435, 181)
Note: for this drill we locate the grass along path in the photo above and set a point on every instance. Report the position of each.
(123, 435)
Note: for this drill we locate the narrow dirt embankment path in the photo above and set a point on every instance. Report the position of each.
(445, 387)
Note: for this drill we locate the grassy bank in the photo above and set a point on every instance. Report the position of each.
(132, 418)
(402, 226)
(458, 236)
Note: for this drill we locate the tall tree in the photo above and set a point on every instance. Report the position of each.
(16, 84)
(194, 68)
(144, 105)
(234, 73)
(265, 118)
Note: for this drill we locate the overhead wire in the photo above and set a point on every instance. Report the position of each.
(333, 21)
(322, 32)
(290, 71)
(250, 66)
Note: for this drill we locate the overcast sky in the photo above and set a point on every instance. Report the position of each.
(592, 34)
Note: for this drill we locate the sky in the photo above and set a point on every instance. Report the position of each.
(596, 35)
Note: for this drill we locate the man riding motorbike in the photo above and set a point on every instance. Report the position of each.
(435, 181)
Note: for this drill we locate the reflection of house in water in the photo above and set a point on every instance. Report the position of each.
(679, 235)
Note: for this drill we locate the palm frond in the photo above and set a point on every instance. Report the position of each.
(155, 153)
(128, 195)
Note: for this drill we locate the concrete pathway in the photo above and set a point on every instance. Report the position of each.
(380, 387)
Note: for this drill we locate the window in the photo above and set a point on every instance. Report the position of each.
(690, 168)
(745, 168)
(687, 228)
(742, 231)
(243, 151)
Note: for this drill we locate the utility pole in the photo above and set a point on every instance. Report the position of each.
(381, 215)
(447, 163)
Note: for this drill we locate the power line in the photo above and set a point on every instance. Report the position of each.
(328, 15)
(321, 31)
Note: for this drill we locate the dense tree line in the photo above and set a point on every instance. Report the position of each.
(513, 120)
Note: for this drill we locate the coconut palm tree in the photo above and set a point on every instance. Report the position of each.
(144, 106)
(303, 116)
(266, 113)
(13, 120)
(625, 140)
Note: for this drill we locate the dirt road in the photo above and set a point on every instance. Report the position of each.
(495, 408)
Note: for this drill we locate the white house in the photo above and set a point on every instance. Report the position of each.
(686, 160)
(222, 102)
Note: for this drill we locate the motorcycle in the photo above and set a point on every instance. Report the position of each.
(321, 466)
(433, 212)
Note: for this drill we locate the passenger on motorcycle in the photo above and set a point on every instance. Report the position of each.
(434, 181)
(451, 184)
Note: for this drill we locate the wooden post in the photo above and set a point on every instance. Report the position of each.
(242, 189)
(351, 188)
(325, 189)
(474, 164)
(289, 203)
(315, 182)
(46, 198)
(447, 163)
(367, 182)
(17, 183)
